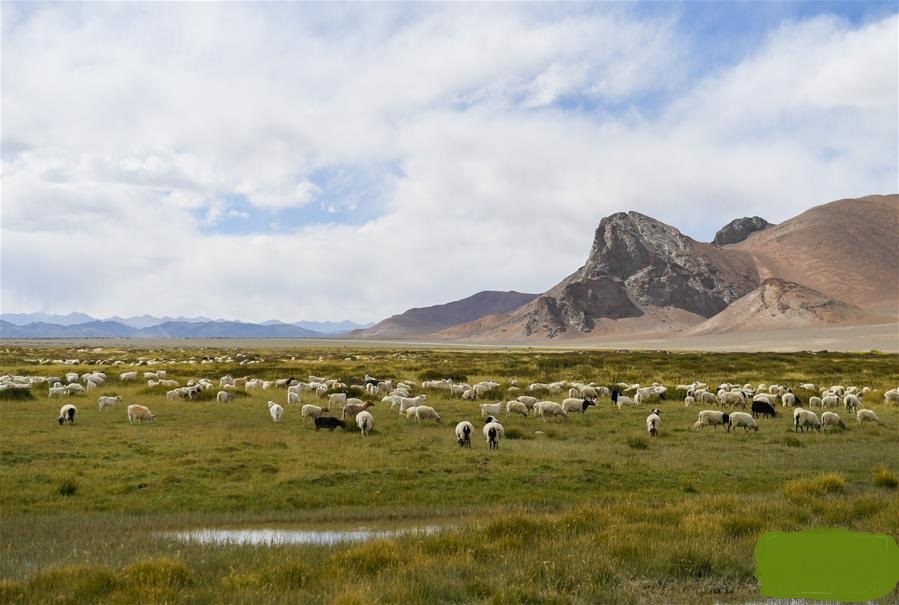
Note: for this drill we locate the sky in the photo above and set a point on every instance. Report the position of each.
(316, 161)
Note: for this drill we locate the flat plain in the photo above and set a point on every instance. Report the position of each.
(590, 509)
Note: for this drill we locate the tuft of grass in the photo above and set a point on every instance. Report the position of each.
(827, 483)
(793, 441)
(516, 433)
(689, 488)
(17, 395)
(638, 443)
(369, 558)
(156, 580)
(68, 487)
(81, 583)
(884, 477)
(11, 591)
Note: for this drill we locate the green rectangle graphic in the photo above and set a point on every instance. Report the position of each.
(826, 564)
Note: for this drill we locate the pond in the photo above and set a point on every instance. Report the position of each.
(277, 537)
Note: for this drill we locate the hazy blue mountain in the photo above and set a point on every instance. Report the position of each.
(23, 319)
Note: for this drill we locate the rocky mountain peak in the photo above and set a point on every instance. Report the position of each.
(739, 229)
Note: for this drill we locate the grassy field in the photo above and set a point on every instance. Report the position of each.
(588, 510)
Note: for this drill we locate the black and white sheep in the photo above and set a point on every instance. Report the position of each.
(463, 433)
(67, 414)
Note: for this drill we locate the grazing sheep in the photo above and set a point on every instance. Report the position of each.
(463, 433)
(688, 401)
(542, 409)
(139, 413)
(805, 419)
(891, 396)
(578, 405)
(469, 394)
(312, 411)
(653, 421)
(125, 376)
(105, 403)
(865, 415)
(276, 411)
(223, 396)
(424, 412)
(830, 419)
(329, 422)
(337, 399)
(831, 400)
(743, 419)
(364, 420)
(67, 414)
(351, 409)
(852, 402)
(74, 388)
(732, 398)
(762, 406)
(787, 400)
(411, 402)
(815, 401)
(57, 392)
(528, 401)
(491, 409)
(516, 407)
(493, 432)
(621, 401)
(410, 412)
(712, 418)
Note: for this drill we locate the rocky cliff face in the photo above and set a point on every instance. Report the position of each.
(739, 229)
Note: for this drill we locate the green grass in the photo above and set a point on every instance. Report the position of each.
(589, 510)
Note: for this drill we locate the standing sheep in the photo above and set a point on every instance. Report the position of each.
(741, 419)
(830, 420)
(864, 415)
(139, 413)
(516, 407)
(105, 403)
(493, 432)
(276, 411)
(67, 414)
(364, 420)
(805, 419)
(463, 433)
(423, 412)
(653, 421)
(712, 418)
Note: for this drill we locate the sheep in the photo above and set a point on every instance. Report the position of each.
(410, 402)
(830, 400)
(90, 386)
(310, 410)
(276, 411)
(71, 377)
(125, 376)
(67, 414)
(293, 398)
(493, 432)
(805, 419)
(74, 388)
(711, 418)
(105, 403)
(410, 412)
(516, 407)
(688, 401)
(364, 420)
(57, 392)
(621, 401)
(463, 433)
(528, 401)
(743, 419)
(491, 409)
(815, 401)
(139, 413)
(424, 412)
(469, 395)
(352, 409)
(865, 415)
(337, 399)
(223, 396)
(830, 419)
(578, 405)
(787, 400)
(891, 396)
(549, 408)
(852, 402)
(732, 398)
(329, 422)
(653, 421)
(761, 407)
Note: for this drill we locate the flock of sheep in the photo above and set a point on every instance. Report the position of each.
(760, 400)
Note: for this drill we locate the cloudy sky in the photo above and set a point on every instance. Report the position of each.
(348, 161)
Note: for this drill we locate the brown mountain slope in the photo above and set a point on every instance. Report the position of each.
(848, 250)
(641, 276)
(778, 304)
(426, 320)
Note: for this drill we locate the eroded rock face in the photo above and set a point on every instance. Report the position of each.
(739, 229)
(636, 265)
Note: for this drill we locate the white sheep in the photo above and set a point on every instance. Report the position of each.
(410, 412)
(139, 413)
(74, 388)
(222, 396)
(125, 376)
(493, 432)
(410, 402)
(337, 399)
(276, 411)
(865, 415)
(312, 411)
(830, 419)
(293, 398)
(463, 433)
(787, 400)
(891, 396)
(621, 400)
(364, 420)
(491, 409)
(805, 419)
(815, 401)
(542, 409)
(424, 412)
(712, 418)
(830, 400)
(516, 407)
(688, 401)
(67, 414)
(653, 422)
(57, 392)
(737, 419)
(852, 402)
(105, 403)
(732, 398)
(528, 401)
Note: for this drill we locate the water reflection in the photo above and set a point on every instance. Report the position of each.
(276, 537)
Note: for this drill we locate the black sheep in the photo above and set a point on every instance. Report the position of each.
(329, 422)
(760, 406)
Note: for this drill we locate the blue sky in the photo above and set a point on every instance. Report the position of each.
(421, 152)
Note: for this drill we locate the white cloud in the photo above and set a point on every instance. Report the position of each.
(121, 153)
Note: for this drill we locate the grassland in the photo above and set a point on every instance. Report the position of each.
(590, 510)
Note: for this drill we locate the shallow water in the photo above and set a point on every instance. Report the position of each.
(275, 537)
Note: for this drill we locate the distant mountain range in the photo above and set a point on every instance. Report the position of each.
(80, 325)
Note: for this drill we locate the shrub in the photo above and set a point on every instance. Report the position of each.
(157, 579)
(68, 487)
(72, 584)
(793, 441)
(828, 483)
(884, 477)
(369, 558)
(638, 443)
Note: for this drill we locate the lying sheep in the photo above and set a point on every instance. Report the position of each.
(67, 414)
(275, 410)
(516, 407)
(737, 419)
(865, 415)
(139, 413)
(493, 432)
(830, 419)
(712, 418)
(805, 419)
(364, 420)
(463, 433)
(491, 409)
(424, 412)
(653, 421)
(105, 403)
